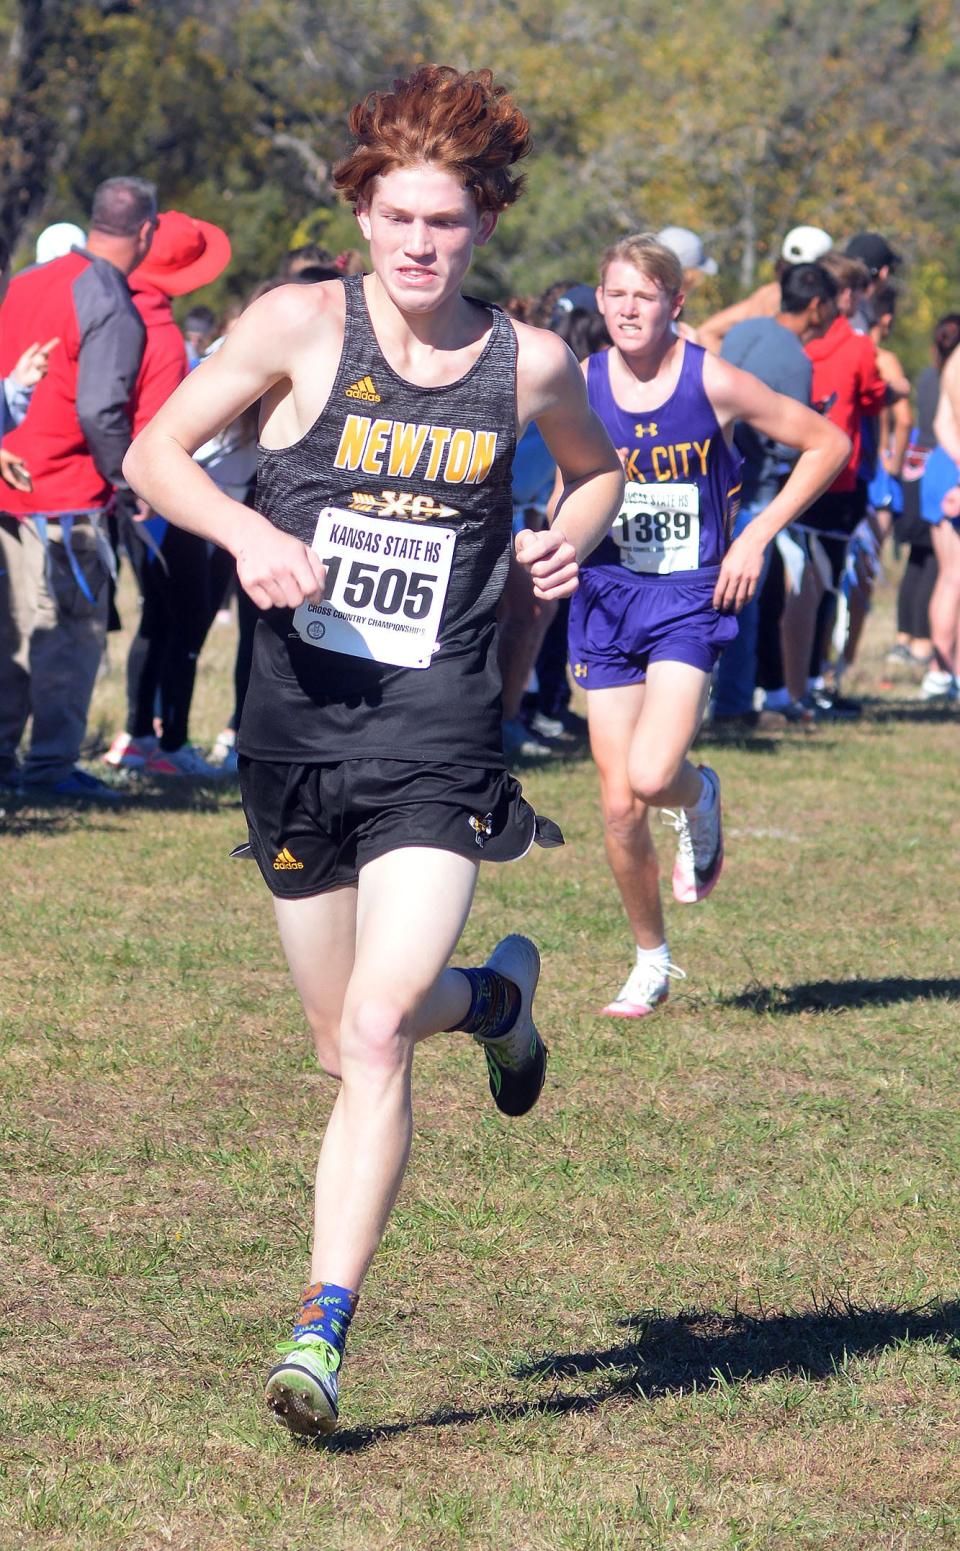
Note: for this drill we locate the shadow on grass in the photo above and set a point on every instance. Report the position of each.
(824, 995)
(748, 742)
(908, 711)
(697, 1350)
(23, 815)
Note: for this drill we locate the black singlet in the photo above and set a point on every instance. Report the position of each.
(389, 449)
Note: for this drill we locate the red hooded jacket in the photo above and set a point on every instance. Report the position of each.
(164, 363)
(845, 364)
(78, 426)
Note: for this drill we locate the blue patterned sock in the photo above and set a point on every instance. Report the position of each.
(326, 1311)
(494, 1003)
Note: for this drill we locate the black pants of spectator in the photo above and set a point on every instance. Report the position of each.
(223, 574)
(920, 572)
(553, 691)
(173, 626)
(836, 552)
(916, 586)
(247, 616)
(769, 650)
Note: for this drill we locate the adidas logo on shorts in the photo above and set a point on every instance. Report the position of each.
(287, 862)
(364, 389)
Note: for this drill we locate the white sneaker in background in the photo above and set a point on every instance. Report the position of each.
(937, 684)
(126, 753)
(646, 987)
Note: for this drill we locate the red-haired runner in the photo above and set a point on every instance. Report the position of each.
(370, 755)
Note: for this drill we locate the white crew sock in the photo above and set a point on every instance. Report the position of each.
(653, 958)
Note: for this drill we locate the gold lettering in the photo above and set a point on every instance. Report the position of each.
(406, 445)
(439, 437)
(655, 457)
(484, 451)
(458, 458)
(701, 449)
(376, 446)
(353, 439)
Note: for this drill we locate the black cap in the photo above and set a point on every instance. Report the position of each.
(583, 296)
(873, 250)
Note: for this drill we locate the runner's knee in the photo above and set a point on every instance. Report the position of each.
(652, 779)
(374, 1032)
(623, 815)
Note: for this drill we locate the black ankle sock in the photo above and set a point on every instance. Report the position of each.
(494, 1003)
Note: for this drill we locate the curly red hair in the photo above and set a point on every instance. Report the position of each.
(461, 121)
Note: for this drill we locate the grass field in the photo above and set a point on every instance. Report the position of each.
(707, 1296)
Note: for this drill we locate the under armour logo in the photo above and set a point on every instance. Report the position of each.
(646, 430)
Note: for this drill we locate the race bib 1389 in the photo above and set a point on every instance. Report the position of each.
(385, 588)
(658, 530)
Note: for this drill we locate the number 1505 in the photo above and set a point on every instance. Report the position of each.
(390, 592)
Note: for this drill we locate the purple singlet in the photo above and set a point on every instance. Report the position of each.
(646, 592)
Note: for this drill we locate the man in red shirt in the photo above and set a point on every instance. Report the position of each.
(847, 385)
(53, 552)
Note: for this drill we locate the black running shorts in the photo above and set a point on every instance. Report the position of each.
(312, 827)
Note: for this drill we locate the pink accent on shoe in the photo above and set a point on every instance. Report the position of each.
(686, 895)
(632, 1009)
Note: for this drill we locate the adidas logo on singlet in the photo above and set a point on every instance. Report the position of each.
(364, 389)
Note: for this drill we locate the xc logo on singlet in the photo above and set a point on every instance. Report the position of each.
(400, 503)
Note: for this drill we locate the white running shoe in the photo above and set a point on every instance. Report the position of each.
(224, 753)
(225, 745)
(185, 761)
(646, 987)
(937, 684)
(520, 743)
(699, 859)
(126, 753)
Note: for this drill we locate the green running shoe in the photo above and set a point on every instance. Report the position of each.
(517, 1060)
(301, 1391)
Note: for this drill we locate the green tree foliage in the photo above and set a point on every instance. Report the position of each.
(738, 119)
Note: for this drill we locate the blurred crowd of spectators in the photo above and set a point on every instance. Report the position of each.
(90, 348)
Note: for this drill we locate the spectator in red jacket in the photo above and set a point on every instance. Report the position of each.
(847, 385)
(171, 565)
(54, 554)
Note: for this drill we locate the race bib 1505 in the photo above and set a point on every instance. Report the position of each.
(385, 588)
(658, 530)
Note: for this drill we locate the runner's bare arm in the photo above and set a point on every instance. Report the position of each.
(551, 390)
(763, 303)
(946, 424)
(823, 447)
(258, 355)
(898, 417)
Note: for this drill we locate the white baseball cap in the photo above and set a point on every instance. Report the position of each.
(688, 248)
(805, 244)
(56, 240)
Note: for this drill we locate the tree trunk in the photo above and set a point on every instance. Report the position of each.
(26, 131)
